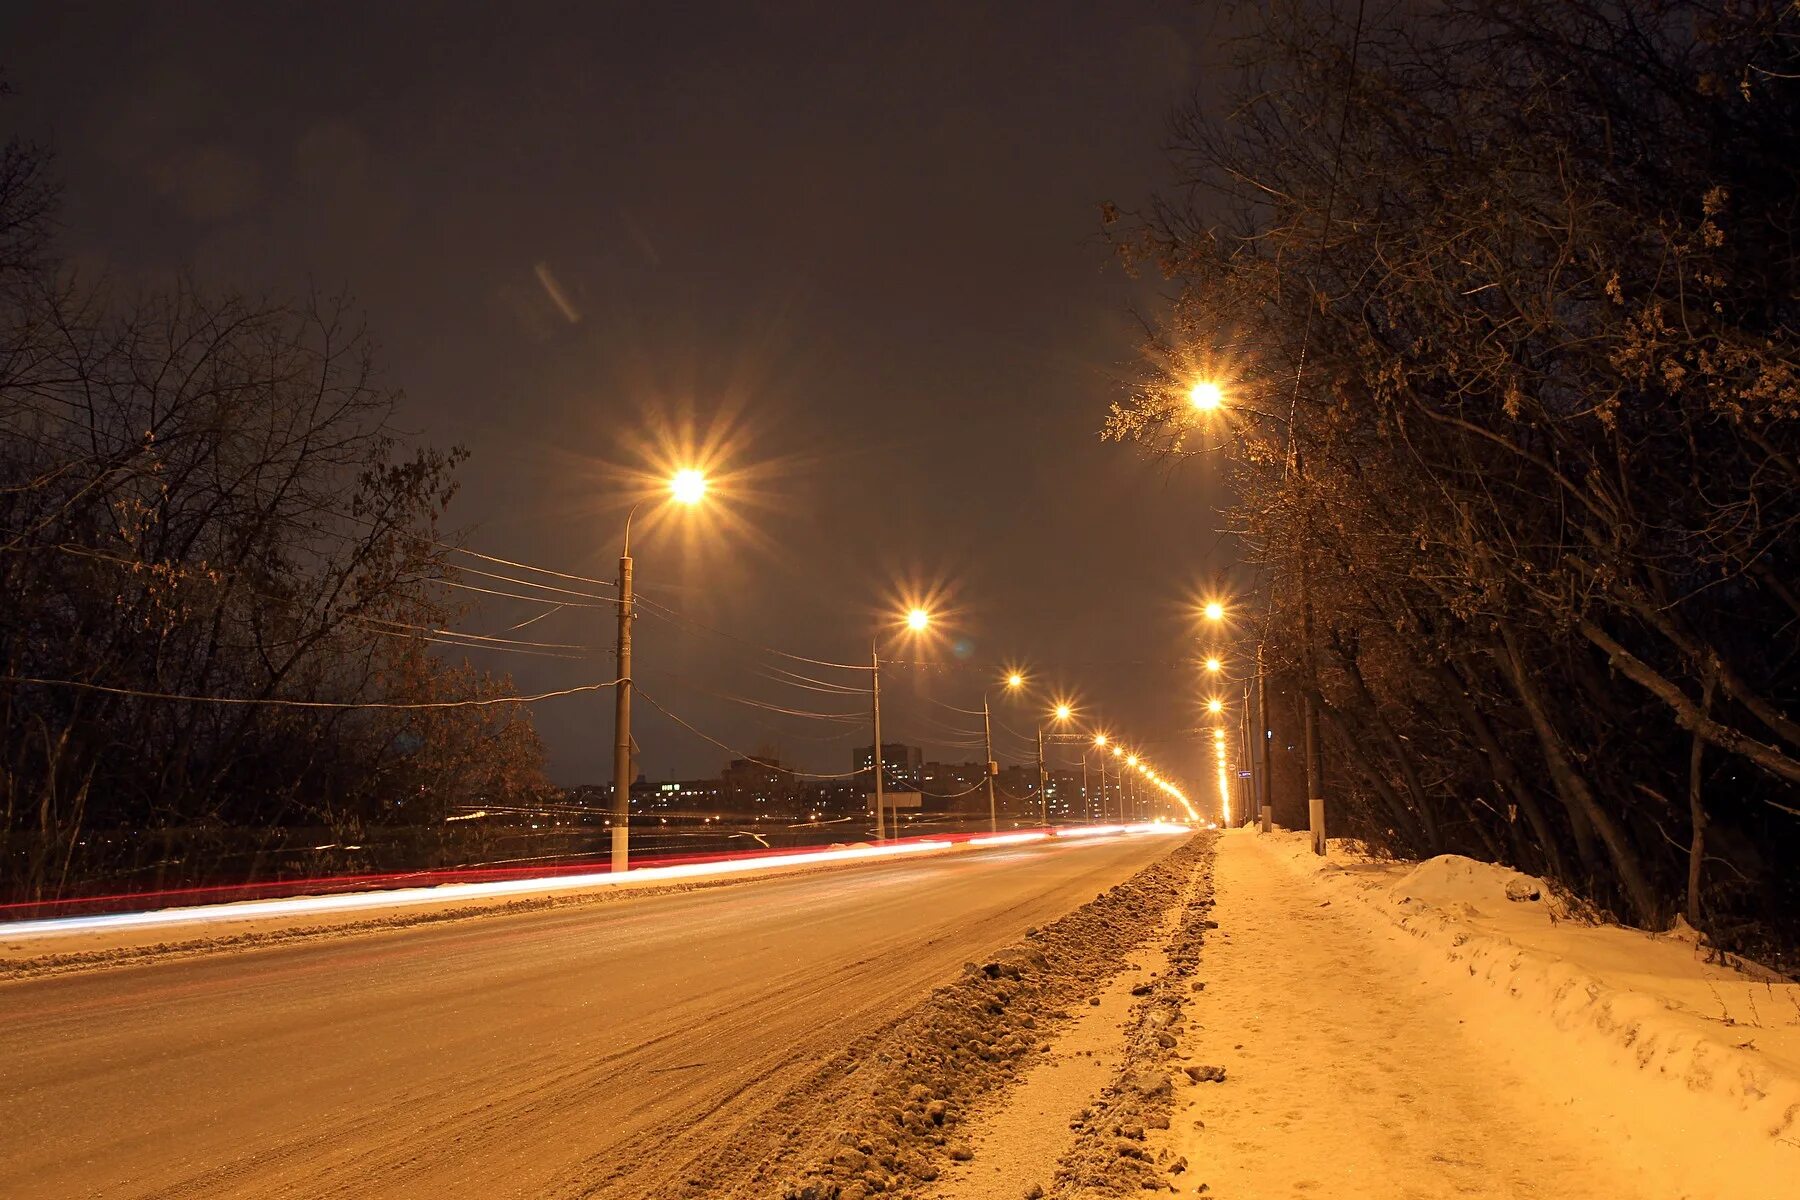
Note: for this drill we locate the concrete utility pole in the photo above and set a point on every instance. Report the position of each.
(1315, 787)
(1043, 795)
(621, 798)
(990, 768)
(686, 487)
(1263, 740)
(876, 764)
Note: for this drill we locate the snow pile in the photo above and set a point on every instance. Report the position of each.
(1113, 1154)
(902, 1106)
(1450, 880)
(1681, 1038)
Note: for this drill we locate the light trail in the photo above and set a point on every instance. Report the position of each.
(1008, 839)
(451, 893)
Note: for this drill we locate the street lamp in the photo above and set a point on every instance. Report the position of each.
(1014, 681)
(1206, 396)
(1294, 460)
(1213, 611)
(1060, 714)
(1215, 706)
(1214, 666)
(1100, 740)
(687, 487)
(916, 620)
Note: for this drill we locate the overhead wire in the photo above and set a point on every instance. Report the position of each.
(729, 749)
(441, 636)
(807, 681)
(549, 612)
(776, 708)
(281, 702)
(666, 613)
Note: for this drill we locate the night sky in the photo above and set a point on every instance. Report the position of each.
(855, 256)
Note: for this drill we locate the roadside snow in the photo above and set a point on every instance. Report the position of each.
(1398, 1030)
(1581, 973)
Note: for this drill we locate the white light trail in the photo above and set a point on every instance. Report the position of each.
(451, 893)
(1007, 839)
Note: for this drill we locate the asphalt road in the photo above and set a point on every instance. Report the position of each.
(584, 1051)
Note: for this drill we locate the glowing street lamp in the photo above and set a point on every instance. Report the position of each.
(1214, 666)
(1213, 611)
(1060, 714)
(1206, 396)
(916, 621)
(1101, 742)
(1014, 681)
(1215, 706)
(686, 487)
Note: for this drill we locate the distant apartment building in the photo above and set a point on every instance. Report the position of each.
(679, 796)
(903, 764)
(759, 787)
(954, 787)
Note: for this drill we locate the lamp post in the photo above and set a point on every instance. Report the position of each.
(1099, 744)
(1061, 713)
(686, 487)
(1103, 809)
(1207, 398)
(1014, 680)
(917, 619)
(1120, 778)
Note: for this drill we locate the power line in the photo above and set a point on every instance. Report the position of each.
(808, 682)
(501, 642)
(669, 614)
(278, 702)
(776, 708)
(445, 637)
(703, 735)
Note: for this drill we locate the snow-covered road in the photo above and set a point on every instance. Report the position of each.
(597, 1050)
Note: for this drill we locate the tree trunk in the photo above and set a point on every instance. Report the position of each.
(1697, 812)
(1406, 822)
(1576, 795)
(1434, 838)
(1506, 772)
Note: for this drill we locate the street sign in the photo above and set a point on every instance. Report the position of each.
(895, 800)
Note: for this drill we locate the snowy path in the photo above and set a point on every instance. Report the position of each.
(1352, 1076)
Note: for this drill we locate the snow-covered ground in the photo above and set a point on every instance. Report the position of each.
(1406, 1030)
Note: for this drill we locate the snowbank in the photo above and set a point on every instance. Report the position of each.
(1709, 1048)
